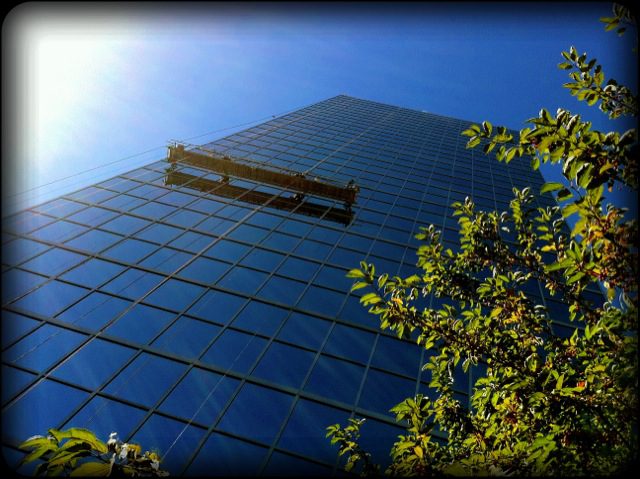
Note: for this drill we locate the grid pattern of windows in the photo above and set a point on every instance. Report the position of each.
(194, 321)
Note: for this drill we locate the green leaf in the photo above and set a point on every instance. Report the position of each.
(487, 127)
(370, 298)
(66, 456)
(565, 66)
(564, 194)
(92, 469)
(570, 209)
(562, 264)
(83, 434)
(418, 451)
(35, 441)
(473, 142)
(611, 26)
(575, 277)
(535, 163)
(355, 273)
(359, 285)
(551, 186)
(37, 453)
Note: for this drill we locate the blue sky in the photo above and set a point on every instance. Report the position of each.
(91, 85)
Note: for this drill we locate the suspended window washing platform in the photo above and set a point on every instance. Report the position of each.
(289, 180)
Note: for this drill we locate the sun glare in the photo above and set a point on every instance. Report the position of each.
(66, 70)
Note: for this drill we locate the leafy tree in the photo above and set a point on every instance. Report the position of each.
(542, 403)
(78, 452)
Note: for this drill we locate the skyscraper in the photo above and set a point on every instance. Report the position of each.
(199, 305)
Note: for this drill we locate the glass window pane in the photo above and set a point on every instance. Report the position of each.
(397, 356)
(174, 294)
(92, 365)
(13, 381)
(284, 364)
(205, 206)
(285, 465)
(283, 290)
(93, 216)
(140, 324)
(15, 325)
(192, 242)
(298, 269)
(235, 351)
(54, 261)
(130, 250)
(43, 347)
(174, 440)
(119, 184)
(32, 413)
(223, 455)
(103, 416)
(50, 298)
(259, 423)
(93, 273)
(293, 227)
(347, 258)
(306, 429)
(262, 259)
(243, 279)
(313, 249)
(350, 343)
(176, 198)
(20, 250)
(187, 337)
(92, 194)
(166, 260)
(16, 282)
(145, 380)
(215, 225)
(59, 231)
(59, 207)
(265, 220)
(227, 251)
(133, 283)
(304, 330)
(377, 438)
(148, 192)
(260, 318)
(94, 241)
(335, 379)
(335, 278)
(94, 311)
(322, 300)
(281, 242)
(206, 270)
(25, 221)
(123, 202)
(125, 224)
(217, 306)
(248, 233)
(325, 234)
(201, 392)
(159, 233)
(153, 210)
(382, 391)
(185, 218)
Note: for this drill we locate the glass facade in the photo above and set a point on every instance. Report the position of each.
(209, 317)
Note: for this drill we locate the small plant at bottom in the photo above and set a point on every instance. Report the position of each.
(78, 452)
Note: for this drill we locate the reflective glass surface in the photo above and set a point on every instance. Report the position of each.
(210, 317)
